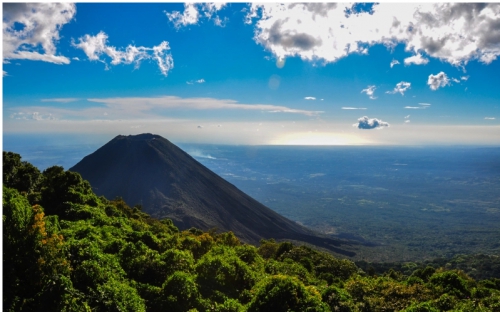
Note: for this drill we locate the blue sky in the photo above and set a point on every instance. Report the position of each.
(254, 74)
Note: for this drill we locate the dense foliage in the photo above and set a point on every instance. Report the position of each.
(65, 249)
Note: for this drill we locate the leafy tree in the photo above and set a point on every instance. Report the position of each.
(284, 293)
(60, 188)
(22, 176)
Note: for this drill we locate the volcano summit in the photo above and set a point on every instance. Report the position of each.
(149, 170)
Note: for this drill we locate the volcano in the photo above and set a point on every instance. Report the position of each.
(149, 170)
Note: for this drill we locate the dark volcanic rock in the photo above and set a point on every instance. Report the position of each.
(149, 170)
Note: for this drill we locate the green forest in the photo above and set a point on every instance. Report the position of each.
(66, 249)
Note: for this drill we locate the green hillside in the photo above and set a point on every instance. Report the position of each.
(65, 249)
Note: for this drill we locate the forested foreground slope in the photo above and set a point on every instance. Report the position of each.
(65, 249)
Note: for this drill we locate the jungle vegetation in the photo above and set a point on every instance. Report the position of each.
(65, 249)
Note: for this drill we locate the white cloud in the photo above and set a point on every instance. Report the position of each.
(437, 81)
(75, 58)
(97, 46)
(401, 88)
(369, 91)
(190, 82)
(32, 28)
(407, 121)
(60, 100)
(416, 59)
(370, 123)
(31, 115)
(489, 118)
(394, 62)
(422, 106)
(5, 73)
(408, 116)
(453, 32)
(352, 108)
(464, 78)
(136, 105)
(310, 98)
(192, 14)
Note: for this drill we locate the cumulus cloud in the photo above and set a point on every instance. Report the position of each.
(370, 123)
(31, 30)
(193, 12)
(453, 32)
(394, 62)
(437, 81)
(489, 118)
(369, 91)
(407, 116)
(407, 121)
(464, 78)
(401, 88)
(60, 100)
(95, 47)
(352, 108)
(5, 73)
(416, 59)
(310, 98)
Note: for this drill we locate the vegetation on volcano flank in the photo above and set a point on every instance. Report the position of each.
(66, 249)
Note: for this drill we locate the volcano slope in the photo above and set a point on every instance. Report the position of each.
(149, 170)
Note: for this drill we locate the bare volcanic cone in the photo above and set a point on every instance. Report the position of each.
(149, 170)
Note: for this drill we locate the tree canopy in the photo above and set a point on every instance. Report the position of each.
(65, 249)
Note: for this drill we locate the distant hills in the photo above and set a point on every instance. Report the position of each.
(149, 170)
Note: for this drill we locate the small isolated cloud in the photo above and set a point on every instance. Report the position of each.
(351, 108)
(190, 82)
(310, 98)
(5, 73)
(422, 106)
(193, 12)
(437, 81)
(97, 46)
(370, 90)
(31, 30)
(464, 78)
(370, 123)
(489, 118)
(394, 62)
(401, 87)
(31, 116)
(407, 116)
(60, 100)
(407, 120)
(75, 58)
(416, 59)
